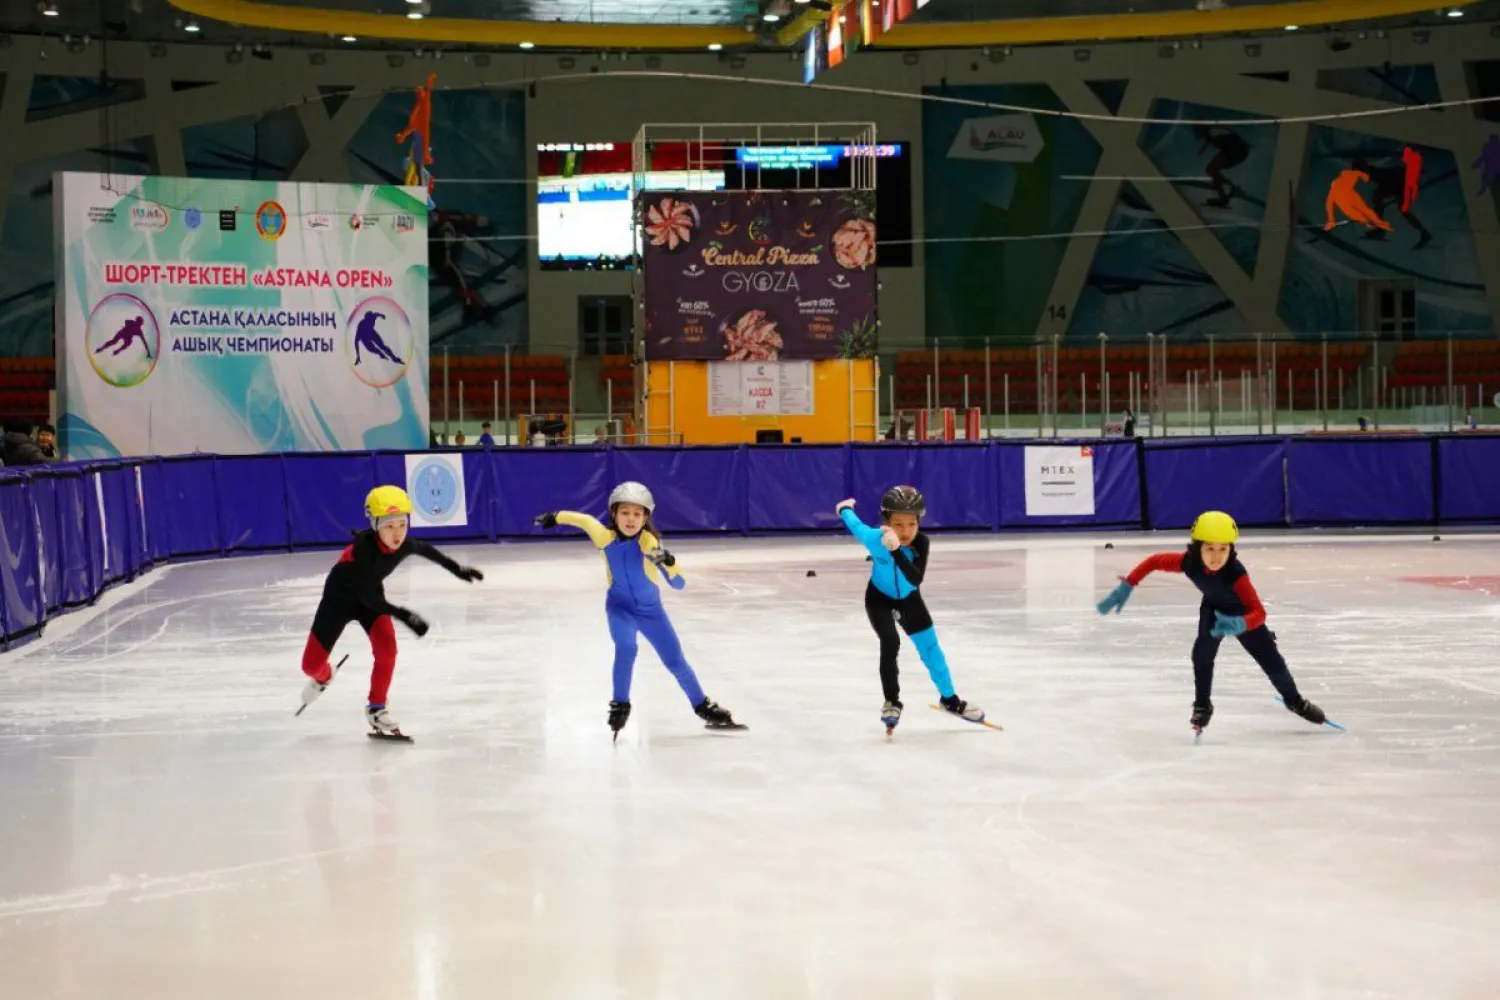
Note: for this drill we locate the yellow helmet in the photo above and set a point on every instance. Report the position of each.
(384, 501)
(1215, 526)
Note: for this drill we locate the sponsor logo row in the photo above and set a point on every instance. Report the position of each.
(271, 220)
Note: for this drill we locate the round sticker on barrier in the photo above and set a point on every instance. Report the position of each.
(436, 493)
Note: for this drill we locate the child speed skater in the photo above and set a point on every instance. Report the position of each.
(355, 592)
(898, 551)
(633, 556)
(1230, 608)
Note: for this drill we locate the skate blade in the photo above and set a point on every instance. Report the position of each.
(980, 722)
(390, 737)
(1327, 722)
(325, 686)
(731, 727)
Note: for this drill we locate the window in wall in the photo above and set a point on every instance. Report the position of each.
(604, 324)
(1389, 309)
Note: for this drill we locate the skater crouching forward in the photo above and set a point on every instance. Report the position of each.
(355, 592)
(633, 557)
(1230, 607)
(898, 554)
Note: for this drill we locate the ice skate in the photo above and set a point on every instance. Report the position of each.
(957, 706)
(1307, 710)
(313, 690)
(384, 724)
(716, 717)
(890, 715)
(619, 712)
(1202, 712)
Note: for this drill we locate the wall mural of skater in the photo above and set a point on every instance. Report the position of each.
(1230, 150)
(1344, 197)
(1488, 164)
(1396, 185)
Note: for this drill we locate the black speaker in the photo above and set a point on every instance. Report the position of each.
(770, 437)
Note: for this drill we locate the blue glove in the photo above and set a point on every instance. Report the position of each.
(1117, 598)
(1227, 625)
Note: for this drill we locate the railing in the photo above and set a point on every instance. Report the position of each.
(1168, 385)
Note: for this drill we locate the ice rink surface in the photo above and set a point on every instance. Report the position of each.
(169, 830)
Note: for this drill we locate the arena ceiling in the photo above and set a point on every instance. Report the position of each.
(688, 24)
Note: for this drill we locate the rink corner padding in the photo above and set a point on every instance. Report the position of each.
(69, 532)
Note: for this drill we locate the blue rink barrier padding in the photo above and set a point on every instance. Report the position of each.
(1245, 477)
(68, 532)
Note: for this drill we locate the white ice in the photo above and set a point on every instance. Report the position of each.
(169, 830)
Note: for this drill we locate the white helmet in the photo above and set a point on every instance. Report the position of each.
(632, 493)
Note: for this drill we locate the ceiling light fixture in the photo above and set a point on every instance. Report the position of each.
(1293, 27)
(770, 16)
(716, 47)
(350, 38)
(1455, 12)
(528, 45)
(49, 10)
(414, 15)
(191, 26)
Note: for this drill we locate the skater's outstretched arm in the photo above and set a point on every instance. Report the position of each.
(598, 533)
(663, 560)
(869, 537)
(914, 569)
(1167, 562)
(431, 552)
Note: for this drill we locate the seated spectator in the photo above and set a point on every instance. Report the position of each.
(486, 439)
(46, 439)
(459, 439)
(601, 434)
(17, 447)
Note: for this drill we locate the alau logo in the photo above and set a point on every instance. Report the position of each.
(1012, 138)
(149, 216)
(995, 138)
(319, 221)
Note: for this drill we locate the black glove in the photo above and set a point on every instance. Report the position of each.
(547, 520)
(469, 573)
(415, 622)
(661, 557)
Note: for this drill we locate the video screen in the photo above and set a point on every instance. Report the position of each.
(585, 191)
(584, 196)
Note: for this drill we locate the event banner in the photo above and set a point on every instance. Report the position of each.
(239, 317)
(758, 275)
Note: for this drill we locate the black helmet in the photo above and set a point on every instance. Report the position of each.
(903, 500)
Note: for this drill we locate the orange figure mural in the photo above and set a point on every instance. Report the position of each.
(1413, 161)
(419, 130)
(1343, 195)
